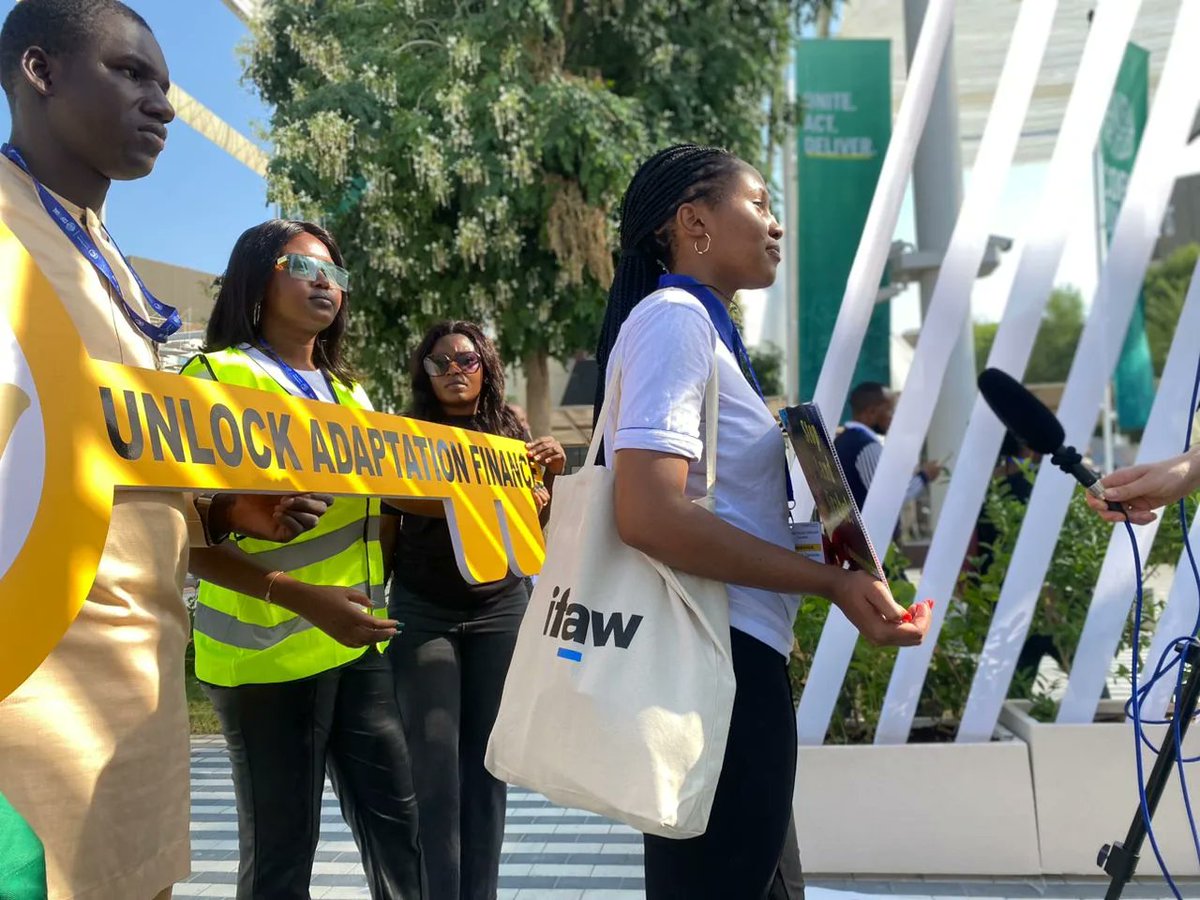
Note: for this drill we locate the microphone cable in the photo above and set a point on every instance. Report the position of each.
(1178, 646)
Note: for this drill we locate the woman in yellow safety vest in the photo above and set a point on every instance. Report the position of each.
(292, 659)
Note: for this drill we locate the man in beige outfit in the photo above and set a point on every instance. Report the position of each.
(94, 745)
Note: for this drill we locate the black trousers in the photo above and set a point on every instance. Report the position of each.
(788, 883)
(742, 854)
(450, 661)
(282, 738)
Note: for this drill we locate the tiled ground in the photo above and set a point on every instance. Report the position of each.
(553, 854)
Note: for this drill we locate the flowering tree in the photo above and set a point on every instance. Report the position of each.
(470, 156)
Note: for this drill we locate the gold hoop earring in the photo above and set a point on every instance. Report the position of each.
(707, 247)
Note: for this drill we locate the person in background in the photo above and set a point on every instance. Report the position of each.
(94, 745)
(456, 640)
(296, 701)
(860, 444)
(697, 227)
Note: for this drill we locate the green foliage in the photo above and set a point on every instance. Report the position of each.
(1060, 614)
(1050, 359)
(471, 156)
(1054, 349)
(767, 360)
(985, 336)
(1164, 290)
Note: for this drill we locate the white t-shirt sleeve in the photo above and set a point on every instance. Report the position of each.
(666, 361)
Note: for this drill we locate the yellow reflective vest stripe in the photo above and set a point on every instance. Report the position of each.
(243, 640)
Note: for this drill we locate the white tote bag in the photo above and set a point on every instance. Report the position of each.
(621, 686)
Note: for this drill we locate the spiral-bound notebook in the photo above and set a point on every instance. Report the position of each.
(846, 539)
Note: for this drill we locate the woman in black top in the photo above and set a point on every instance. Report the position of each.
(455, 639)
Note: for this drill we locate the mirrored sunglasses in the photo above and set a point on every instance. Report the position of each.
(306, 268)
(438, 364)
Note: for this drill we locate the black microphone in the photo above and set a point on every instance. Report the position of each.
(1028, 418)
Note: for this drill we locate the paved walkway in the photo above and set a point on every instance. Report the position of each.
(554, 854)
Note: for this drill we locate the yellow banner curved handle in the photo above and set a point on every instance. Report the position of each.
(101, 426)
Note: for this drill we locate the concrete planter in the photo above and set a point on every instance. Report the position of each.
(1085, 788)
(919, 809)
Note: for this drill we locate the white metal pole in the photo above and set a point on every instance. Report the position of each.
(949, 308)
(1109, 609)
(1134, 236)
(1106, 412)
(862, 288)
(862, 285)
(937, 196)
(792, 224)
(1031, 286)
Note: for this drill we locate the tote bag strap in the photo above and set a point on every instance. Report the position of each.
(612, 401)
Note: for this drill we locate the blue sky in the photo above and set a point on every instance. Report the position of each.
(197, 201)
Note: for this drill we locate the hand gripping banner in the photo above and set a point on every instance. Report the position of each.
(72, 429)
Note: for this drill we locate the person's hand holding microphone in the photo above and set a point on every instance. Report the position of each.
(1148, 486)
(1127, 493)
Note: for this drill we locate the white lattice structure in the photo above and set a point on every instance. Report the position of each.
(1026, 45)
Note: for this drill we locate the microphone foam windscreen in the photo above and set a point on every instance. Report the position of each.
(1023, 413)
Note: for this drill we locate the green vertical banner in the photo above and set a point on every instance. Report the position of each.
(1119, 140)
(845, 89)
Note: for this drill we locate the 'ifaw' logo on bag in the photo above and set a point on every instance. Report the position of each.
(569, 621)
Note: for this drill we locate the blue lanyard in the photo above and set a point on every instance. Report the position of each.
(295, 377)
(729, 334)
(722, 321)
(79, 237)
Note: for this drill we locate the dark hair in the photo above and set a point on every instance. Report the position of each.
(865, 395)
(495, 416)
(60, 27)
(670, 178)
(243, 288)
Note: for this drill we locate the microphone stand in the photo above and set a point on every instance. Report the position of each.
(1120, 859)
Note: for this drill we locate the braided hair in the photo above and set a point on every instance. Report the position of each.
(684, 173)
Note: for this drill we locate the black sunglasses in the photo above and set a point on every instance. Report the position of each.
(439, 364)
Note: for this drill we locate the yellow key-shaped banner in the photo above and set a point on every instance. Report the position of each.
(72, 429)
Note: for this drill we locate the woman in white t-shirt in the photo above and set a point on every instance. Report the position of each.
(696, 227)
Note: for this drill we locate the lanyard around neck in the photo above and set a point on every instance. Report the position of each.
(722, 321)
(727, 330)
(83, 243)
(293, 376)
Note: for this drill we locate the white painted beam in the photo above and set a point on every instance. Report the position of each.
(1134, 237)
(217, 130)
(244, 9)
(1032, 282)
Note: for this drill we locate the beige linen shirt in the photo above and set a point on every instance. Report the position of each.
(94, 745)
